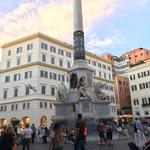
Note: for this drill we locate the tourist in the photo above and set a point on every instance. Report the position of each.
(27, 132)
(7, 139)
(109, 133)
(120, 131)
(101, 129)
(33, 132)
(80, 134)
(140, 132)
(57, 141)
(135, 133)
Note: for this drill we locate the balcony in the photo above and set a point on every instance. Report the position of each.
(145, 105)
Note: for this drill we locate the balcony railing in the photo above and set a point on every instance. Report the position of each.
(144, 105)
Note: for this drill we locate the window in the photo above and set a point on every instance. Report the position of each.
(45, 104)
(24, 105)
(50, 105)
(60, 62)
(148, 100)
(27, 90)
(136, 102)
(44, 46)
(104, 66)
(61, 77)
(28, 105)
(53, 60)
(52, 75)
(16, 106)
(109, 76)
(132, 77)
(43, 74)
(120, 82)
(1, 108)
(29, 58)
(93, 63)
(9, 53)
(18, 61)
(68, 54)
(12, 107)
(8, 63)
(28, 74)
(5, 93)
(112, 99)
(43, 57)
(15, 92)
(99, 65)
(144, 101)
(68, 64)
(134, 88)
(104, 75)
(100, 74)
(19, 50)
(5, 108)
(106, 87)
(41, 104)
(29, 46)
(52, 49)
(52, 91)
(111, 88)
(60, 52)
(17, 77)
(43, 89)
(108, 68)
(148, 72)
(7, 79)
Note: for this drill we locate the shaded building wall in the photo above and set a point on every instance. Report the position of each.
(122, 92)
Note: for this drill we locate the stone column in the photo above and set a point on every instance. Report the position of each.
(78, 24)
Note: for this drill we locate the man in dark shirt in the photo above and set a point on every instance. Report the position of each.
(80, 133)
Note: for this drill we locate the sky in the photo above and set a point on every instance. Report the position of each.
(110, 26)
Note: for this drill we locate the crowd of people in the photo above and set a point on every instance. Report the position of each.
(57, 135)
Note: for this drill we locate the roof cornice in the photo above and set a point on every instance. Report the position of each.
(48, 38)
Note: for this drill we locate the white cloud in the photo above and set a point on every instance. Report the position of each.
(100, 43)
(142, 2)
(95, 45)
(53, 18)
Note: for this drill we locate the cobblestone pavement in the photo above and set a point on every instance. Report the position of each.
(117, 145)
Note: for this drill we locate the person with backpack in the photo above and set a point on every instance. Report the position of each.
(102, 130)
(109, 133)
(80, 134)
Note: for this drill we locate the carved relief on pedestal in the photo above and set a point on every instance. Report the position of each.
(82, 88)
(62, 95)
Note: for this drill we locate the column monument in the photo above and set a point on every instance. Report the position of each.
(84, 96)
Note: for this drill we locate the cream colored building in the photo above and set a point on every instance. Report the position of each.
(139, 77)
(31, 70)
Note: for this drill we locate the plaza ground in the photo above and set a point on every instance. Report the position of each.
(91, 145)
